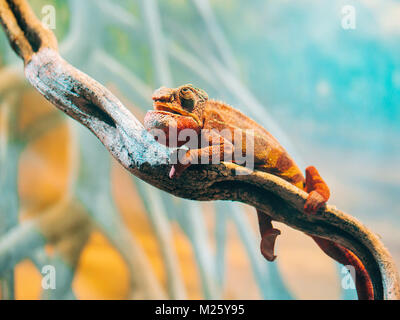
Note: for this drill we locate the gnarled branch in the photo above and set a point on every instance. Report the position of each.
(123, 135)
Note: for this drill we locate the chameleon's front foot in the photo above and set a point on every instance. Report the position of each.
(218, 149)
(318, 191)
(182, 164)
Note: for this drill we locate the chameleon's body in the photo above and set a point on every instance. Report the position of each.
(187, 107)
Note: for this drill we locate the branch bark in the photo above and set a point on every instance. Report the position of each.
(123, 135)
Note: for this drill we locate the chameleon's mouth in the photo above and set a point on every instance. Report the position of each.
(170, 108)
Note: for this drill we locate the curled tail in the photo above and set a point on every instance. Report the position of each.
(344, 256)
(318, 195)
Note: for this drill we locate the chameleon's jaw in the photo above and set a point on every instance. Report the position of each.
(169, 107)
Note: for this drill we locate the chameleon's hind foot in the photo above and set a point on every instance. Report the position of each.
(267, 245)
(318, 191)
(268, 236)
(314, 202)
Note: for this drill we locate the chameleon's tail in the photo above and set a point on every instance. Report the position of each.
(346, 257)
(319, 194)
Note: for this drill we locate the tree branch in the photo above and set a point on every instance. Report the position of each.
(123, 135)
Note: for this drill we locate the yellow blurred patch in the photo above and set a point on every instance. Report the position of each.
(101, 273)
(27, 281)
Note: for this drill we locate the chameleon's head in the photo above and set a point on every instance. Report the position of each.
(179, 108)
(185, 100)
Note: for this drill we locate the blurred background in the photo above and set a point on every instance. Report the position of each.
(331, 95)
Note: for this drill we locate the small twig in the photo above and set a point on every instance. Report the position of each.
(122, 134)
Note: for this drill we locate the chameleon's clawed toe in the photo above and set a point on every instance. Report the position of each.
(267, 244)
(172, 172)
(177, 169)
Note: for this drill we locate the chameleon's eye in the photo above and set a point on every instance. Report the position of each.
(186, 93)
(187, 99)
(187, 104)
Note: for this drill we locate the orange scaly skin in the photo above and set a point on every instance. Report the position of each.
(187, 107)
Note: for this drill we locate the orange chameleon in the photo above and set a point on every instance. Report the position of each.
(187, 107)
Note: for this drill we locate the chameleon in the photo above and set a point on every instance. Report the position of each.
(188, 107)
